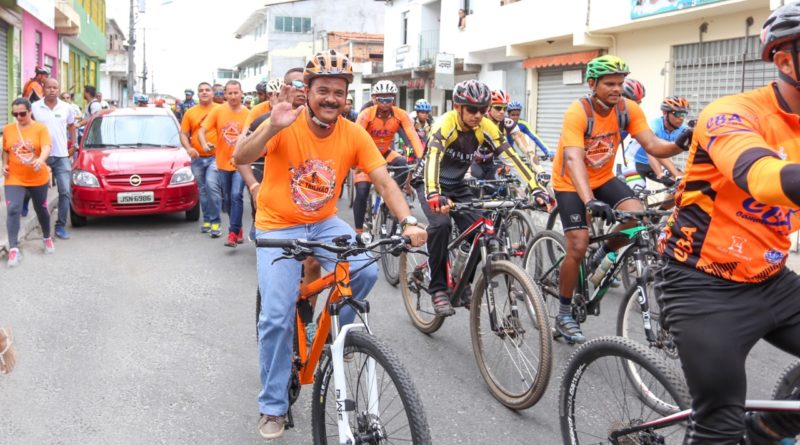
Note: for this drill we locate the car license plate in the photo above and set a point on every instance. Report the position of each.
(135, 197)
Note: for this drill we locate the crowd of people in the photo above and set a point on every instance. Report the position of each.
(293, 149)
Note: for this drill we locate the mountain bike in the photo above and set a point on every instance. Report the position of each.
(362, 394)
(509, 327)
(599, 404)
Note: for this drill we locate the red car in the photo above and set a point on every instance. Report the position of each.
(131, 163)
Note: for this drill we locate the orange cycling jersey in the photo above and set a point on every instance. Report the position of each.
(383, 131)
(739, 199)
(600, 148)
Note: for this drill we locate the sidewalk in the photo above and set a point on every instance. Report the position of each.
(28, 223)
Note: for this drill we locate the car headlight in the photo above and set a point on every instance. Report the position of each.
(84, 179)
(182, 176)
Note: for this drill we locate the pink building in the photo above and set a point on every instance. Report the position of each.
(39, 47)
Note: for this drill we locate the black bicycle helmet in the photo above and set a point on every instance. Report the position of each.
(472, 92)
(261, 87)
(782, 26)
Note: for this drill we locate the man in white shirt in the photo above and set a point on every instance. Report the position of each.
(58, 116)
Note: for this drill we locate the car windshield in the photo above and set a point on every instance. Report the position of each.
(132, 131)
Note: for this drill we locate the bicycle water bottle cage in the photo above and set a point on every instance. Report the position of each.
(342, 240)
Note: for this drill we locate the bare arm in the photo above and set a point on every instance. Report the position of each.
(201, 135)
(250, 148)
(390, 192)
(656, 146)
(5, 163)
(73, 136)
(577, 172)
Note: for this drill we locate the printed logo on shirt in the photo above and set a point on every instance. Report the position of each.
(313, 184)
(599, 150)
(773, 256)
(230, 132)
(23, 151)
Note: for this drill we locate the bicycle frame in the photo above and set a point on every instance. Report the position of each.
(682, 416)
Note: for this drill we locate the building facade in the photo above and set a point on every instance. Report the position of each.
(84, 52)
(10, 57)
(114, 78)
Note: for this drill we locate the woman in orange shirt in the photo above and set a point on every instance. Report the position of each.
(26, 147)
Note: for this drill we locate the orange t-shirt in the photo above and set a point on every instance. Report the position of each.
(383, 131)
(257, 111)
(600, 148)
(229, 125)
(33, 87)
(21, 154)
(191, 123)
(744, 146)
(303, 174)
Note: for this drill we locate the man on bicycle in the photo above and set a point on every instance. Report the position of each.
(726, 284)
(422, 120)
(454, 140)
(515, 112)
(308, 152)
(583, 171)
(668, 127)
(382, 121)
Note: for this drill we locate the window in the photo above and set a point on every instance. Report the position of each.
(404, 27)
(38, 48)
(132, 132)
(293, 24)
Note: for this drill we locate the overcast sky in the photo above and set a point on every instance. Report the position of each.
(186, 39)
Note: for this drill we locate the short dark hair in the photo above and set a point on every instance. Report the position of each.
(233, 82)
(217, 85)
(297, 69)
(91, 90)
(22, 101)
(203, 83)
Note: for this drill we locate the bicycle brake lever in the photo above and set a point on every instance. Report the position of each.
(282, 257)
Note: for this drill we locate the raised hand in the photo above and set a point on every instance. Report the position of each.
(282, 114)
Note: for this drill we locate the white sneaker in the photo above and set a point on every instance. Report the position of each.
(14, 257)
(49, 247)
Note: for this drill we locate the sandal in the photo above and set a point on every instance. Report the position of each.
(441, 304)
(8, 351)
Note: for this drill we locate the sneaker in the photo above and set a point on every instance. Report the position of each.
(215, 230)
(441, 304)
(567, 327)
(14, 257)
(49, 247)
(61, 232)
(232, 240)
(240, 237)
(271, 427)
(205, 228)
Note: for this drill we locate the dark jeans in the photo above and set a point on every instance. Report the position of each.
(715, 323)
(439, 229)
(15, 194)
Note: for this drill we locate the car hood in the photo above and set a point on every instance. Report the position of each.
(138, 160)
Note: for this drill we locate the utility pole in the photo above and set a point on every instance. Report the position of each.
(131, 44)
(144, 61)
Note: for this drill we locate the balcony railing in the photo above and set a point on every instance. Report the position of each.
(428, 47)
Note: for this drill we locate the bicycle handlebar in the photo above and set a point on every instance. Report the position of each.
(489, 205)
(301, 246)
(640, 214)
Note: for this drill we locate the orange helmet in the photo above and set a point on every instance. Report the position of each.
(500, 97)
(329, 63)
(674, 103)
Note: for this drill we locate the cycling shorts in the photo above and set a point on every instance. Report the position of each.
(572, 211)
(646, 171)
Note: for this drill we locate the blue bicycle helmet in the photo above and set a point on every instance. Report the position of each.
(515, 105)
(422, 105)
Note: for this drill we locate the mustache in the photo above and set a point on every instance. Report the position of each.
(333, 105)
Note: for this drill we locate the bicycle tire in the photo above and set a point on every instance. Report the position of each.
(521, 220)
(358, 343)
(386, 227)
(414, 298)
(553, 219)
(580, 366)
(631, 325)
(788, 385)
(351, 188)
(526, 370)
(544, 250)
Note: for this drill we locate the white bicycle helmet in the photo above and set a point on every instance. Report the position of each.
(384, 87)
(274, 85)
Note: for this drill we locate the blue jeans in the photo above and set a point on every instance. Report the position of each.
(232, 198)
(207, 176)
(62, 172)
(279, 284)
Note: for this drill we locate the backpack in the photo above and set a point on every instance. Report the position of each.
(623, 119)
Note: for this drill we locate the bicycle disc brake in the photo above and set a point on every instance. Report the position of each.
(579, 308)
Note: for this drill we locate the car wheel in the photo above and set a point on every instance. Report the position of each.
(193, 214)
(75, 219)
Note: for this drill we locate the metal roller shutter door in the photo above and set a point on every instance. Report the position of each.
(705, 74)
(552, 102)
(3, 73)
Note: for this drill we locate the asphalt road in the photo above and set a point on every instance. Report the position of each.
(141, 331)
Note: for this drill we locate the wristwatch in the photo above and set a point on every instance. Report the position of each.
(408, 221)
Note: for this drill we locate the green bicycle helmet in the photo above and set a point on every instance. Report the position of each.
(605, 65)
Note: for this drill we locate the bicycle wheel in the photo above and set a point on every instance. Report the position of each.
(788, 385)
(386, 227)
(596, 398)
(415, 277)
(554, 220)
(386, 406)
(515, 359)
(543, 264)
(519, 229)
(351, 188)
(630, 324)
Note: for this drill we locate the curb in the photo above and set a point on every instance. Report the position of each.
(30, 223)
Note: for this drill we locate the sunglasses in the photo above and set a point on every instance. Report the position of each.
(20, 114)
(385, 100)
(219, 93)
(297, 84)
(499, 107)
(680, 114)
(471, 109)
